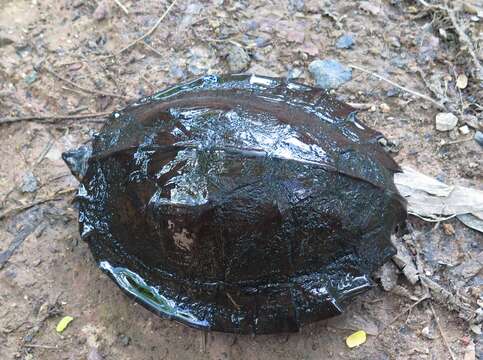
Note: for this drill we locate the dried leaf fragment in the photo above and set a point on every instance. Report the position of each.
(356, 339)
(63, 323)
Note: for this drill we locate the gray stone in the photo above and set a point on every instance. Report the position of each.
(29, 183)
(479, 137)
(238, 59)
(329, 73)
(346, 41)
(446, 121)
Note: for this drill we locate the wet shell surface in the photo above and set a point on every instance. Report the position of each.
(238, 203)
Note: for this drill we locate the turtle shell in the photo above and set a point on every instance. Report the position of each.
(238, 203)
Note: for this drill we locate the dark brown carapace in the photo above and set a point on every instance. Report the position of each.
(238, 203)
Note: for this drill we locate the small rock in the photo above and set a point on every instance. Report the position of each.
(476, 328)
(125, 340)
(329, 74)
(428, 333)
(479, 315)
(101, 11)
(429, 48)
(94, 355)
(394, 91)
(479, 137)
(464, 130)
(238, 59)
(29, 183)
(294, 73)
(31, 78)
(462, 81)
(176, 72)
(388, 275)
(370, 7)
(448, 229)
(296, 5)
(471, 120)
(385, 108)
(446, 121)
(383, 141)
(262, 41)
(194, 9)
(346, 41)
(201, 60)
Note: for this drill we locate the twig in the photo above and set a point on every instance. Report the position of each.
(409, 308)
(17, 241)
(460, 31)
(17, 210)
(233, 301)
(413, 92)
(44, 153)
(231, 41)
(41, 346)
(91, 91)
(149, 32)
(7, 120)
(203, 342)
(457, 141)
(121, 5)
(443, 336)
(361, 106)
(465, 39)
(153, 49)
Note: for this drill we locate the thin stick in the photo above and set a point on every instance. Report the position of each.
(7, 120)
(55, 197)
(42, 346)
(443, 336)
(460, 31)
(465, 39)
(233, 301)
(121, 5)
(149, 32)
(409, 308)
(153, 49)
(413, 92)
(91, 91)
(361, 106)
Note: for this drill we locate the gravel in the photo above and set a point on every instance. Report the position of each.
(329, 73)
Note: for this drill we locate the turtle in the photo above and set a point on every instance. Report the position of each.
(238, 203)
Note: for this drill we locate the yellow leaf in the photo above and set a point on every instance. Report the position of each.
(461, 81)
(356, 339)
(63, 323)
(412, 9)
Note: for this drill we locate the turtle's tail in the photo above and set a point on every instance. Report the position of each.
(77, 160)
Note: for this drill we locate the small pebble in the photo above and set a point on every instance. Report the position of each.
(294, 73)
(94, 355)
(446, 121)
(471, 120)
(238, 59)
(29, 183)
(346, 41)
(101, 11)
(125, 340)
(464, 130)
(479, 137)
(448, 229)
(385, 108)
(329, 73)
(428, 333)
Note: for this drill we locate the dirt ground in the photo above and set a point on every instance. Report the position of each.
(55, 60)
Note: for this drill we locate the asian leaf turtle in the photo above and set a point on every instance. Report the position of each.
(238, 203)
